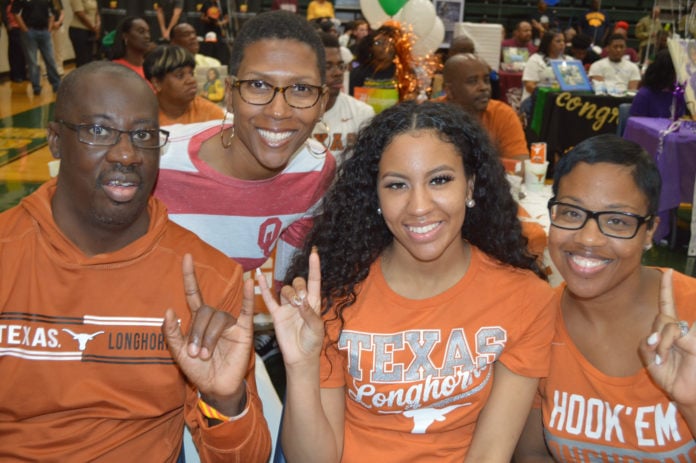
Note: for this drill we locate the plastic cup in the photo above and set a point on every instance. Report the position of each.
(535, 175)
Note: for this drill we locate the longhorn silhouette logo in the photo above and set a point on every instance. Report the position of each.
(82, 338)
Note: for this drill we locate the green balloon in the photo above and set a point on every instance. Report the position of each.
(391, 7)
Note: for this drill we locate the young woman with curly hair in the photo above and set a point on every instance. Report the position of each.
(436, 320)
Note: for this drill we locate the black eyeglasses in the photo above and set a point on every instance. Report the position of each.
(99, 135)
(260, 92)
(615, 224)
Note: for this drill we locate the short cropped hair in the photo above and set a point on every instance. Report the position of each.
(612, 149)
(278, 25)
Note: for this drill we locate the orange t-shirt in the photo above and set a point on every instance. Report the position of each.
(200, 110)
(505, 129)
(590, 416)
(417, 373)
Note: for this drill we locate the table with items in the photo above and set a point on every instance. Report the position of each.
(673, 145)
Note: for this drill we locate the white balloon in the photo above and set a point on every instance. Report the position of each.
(428, 44)
(375, 15)
(420, 14)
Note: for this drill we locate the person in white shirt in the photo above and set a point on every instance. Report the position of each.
(617, 73)
(344, 114)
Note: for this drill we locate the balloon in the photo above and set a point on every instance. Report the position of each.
(374, 13)
(391, 7)
(420, 14)
(432, 41)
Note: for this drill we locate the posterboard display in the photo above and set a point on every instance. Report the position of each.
(450, 12)
(486, 37)
(211, 82)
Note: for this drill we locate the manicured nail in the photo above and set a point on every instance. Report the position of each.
(658, 360)
(652, 339)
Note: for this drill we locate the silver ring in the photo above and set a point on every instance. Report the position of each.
(296, 300)
(683, 327)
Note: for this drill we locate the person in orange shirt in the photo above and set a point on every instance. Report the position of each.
(622, 382)
(170, 70)
(467, 84)
(97, 285)
(423, 332)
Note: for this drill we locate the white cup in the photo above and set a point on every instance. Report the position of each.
(515, 184)
(599, 87)
(535, 175)
(53, 167)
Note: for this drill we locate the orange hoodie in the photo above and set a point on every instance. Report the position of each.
(86, 371)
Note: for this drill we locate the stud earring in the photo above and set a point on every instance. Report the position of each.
(379, 211)
(470, 203)
(647, 247)
(222, 133)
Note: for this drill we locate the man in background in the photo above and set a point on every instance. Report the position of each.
(35, 19)
(617, 73)
(521, 38)
(184, 35)
(467, 84)
(168, 16)
(344, 115)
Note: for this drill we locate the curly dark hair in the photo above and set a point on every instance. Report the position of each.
(278, 24)
(350, 234)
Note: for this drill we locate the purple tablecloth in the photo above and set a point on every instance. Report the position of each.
(677, 162)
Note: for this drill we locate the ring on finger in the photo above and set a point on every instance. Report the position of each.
(683, 327)
(296, 300)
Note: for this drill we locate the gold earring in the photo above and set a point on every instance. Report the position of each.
(222, 132)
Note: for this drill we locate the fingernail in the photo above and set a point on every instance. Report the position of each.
(314, 249)
(259, 273)
(658, 360)
(652, 339)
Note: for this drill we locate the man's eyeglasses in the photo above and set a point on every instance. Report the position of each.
(614, 224)
(260, 92)
(339, 66)
(99, 135)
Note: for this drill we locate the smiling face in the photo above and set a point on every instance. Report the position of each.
(593, 264)
(422, 189)
(105, 187)
(267, 136)
(178, 86)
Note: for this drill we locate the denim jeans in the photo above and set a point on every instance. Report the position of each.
(40, 39)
